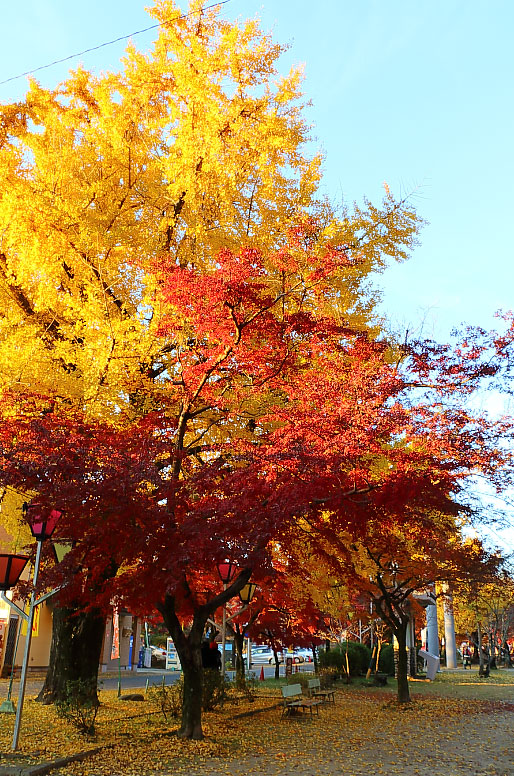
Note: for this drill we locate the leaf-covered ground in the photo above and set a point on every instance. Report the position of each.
(457, 725)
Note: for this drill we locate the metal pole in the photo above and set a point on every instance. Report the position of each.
(28, 639)
(223, 636)
(119, 675)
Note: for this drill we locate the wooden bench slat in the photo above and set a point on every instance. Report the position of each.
(314, 688)
(294, 699)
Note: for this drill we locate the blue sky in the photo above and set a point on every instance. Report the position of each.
(417, 94)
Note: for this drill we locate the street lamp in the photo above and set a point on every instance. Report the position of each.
(42, 523)
(61, 549)
(11, 569)
(247, 592)
(227, 572)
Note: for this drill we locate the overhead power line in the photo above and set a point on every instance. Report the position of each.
(107, 43)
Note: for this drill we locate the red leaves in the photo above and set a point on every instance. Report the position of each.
(264, 412)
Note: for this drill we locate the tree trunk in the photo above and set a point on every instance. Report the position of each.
(240, 666)
(192, 673)
(507, 659)
(277, 663)
(402, 669)
(189, 649)
(481, 669)
(77, 638)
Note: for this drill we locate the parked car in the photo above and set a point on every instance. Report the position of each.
(303, 655)
(264, 655)
(158, 654)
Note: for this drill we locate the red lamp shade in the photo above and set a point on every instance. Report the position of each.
(11, 569)
(41, 521)
(227, 572)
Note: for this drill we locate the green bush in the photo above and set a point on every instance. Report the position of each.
(359, 656)
(301, 678)
(386, 660)
(327, 677)
(333, 660)
(79, 705)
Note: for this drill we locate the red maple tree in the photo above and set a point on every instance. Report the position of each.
(275, 415)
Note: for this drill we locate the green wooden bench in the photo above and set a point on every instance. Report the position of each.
(315, 691)
(294, 700)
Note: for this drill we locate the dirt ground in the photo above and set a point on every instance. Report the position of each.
(483, 745)
(444, 735)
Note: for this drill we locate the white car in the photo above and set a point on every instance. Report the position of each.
(264, 656)
(303, 654)
(158, 654)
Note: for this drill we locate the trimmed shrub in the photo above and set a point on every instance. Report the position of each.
(359, 656)
(386, 660)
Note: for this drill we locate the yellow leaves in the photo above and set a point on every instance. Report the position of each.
(11, 519)
(364, 732)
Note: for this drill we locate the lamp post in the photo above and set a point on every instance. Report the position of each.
(42, 527)
(246, 594)
(227, 572)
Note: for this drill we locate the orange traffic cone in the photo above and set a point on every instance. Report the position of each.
(262, 674)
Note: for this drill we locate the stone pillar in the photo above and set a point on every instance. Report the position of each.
(432, 629)
(449, 629)
(411, 646)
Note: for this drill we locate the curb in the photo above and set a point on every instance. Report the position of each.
(42, 768)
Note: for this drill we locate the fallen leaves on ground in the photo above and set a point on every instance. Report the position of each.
(363, 729)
